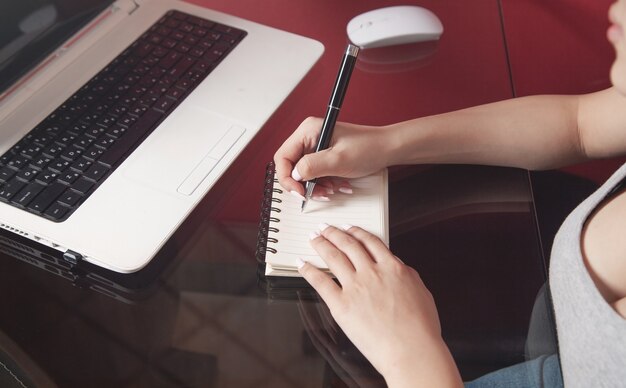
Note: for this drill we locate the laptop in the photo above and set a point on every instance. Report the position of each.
(117, 117)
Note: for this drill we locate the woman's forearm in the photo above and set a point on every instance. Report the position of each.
(431, 365)
(538, 132)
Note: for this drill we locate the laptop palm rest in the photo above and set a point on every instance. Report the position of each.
(181, 153)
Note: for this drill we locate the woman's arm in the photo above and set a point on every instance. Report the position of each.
(538, 132)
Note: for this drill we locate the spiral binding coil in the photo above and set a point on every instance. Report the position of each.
(268, 200)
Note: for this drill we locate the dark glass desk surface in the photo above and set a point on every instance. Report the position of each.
(200, 316)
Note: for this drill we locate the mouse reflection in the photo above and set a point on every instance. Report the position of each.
(396, 59)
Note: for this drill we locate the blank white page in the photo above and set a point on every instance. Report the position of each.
(366, 207)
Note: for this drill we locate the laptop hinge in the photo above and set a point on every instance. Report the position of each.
(136, 7)
(126, 6)
(72, 257)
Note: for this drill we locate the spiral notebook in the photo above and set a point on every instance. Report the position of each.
(284, 230)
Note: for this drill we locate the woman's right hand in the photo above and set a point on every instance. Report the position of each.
(355, 151)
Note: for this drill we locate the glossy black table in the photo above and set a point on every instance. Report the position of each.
(200, 315)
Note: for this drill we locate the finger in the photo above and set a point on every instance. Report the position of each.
(325, 286)
(350, 246)
(284, 165)
(319, 164)
(324, 186)
(301, 142)
(374, 245)
(344, 187)
(336, 260)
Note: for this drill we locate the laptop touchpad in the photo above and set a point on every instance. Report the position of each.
(183, 150)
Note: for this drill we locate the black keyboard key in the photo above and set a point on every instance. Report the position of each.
(148, 99)
(82, 164)
(17, 148)
(84, 142)
(126, 142)
(10, 189)
(79, 128)
(18, 162)
(143, 49)
(6, 174)
(96, 172)
(27, 194)
(59, 166)
(174, 93)
(95, 132)
(70, 197)
(46, 197)
(83, 185)
(105, 142)
(66, 139)
(90, 118)
(184, 84)
(164, 104)
(203, 66)
(53, 151)
(42, 140)
(69, 177)
(32, 151)
(47, 177)
(101, 108)
(27, 174)
(160, 52)
(181, 67)
(40, 162)
(158, 90)
(106, 121)
(183, 47)
(127, 121)
(119, 110)
(138, 110)
(72, 153)
(93, 153)
(116, 131)
(52, 129)
(56, 211)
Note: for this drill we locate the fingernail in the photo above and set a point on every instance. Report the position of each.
(320, 198)
(329, 190)
(295, 174)
(345, 190)
(297, 195)
(299, 262)
(314, 235)
(322, 226)
(345, 227)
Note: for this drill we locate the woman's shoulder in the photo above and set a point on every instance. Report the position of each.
(603, 244)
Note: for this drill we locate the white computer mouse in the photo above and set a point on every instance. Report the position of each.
(395, 25)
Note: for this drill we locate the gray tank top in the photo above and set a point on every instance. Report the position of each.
(592, 336)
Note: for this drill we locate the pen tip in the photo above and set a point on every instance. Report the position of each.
(302, 207)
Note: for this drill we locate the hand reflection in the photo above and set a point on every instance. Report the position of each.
(346, 361)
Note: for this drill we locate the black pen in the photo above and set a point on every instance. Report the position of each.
(336, 98)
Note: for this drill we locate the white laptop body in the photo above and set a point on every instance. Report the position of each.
(124, 223)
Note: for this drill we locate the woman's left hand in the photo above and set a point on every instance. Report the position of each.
(383, 307)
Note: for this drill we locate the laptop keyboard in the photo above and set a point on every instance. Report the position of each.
(55, 167)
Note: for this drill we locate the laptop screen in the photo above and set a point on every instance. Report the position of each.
(30, 30)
